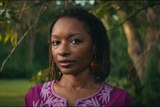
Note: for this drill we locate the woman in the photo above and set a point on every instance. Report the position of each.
(80, 62)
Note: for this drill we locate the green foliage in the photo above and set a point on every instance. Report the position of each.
(12, 71)
(8, 19)
(123, 83)
(0, 37)
(11, 29)
(12, 36)
(20, 67)
(12, 92)
(151, 81)
(42, 76)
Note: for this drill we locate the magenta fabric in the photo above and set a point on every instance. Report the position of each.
(44, 95)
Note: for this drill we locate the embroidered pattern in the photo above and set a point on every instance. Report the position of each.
(48, 99)
(100, 99)
(45, 91)
(104, 96)
(91, 102)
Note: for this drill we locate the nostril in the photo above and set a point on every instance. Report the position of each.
(64, 54)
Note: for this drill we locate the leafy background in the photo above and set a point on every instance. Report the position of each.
(24, 33)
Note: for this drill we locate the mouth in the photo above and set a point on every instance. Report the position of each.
(66, 63)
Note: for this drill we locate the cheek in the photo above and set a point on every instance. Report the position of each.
(85, 54)
(53, 53)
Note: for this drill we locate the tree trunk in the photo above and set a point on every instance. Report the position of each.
(135, 48)
(138, 52)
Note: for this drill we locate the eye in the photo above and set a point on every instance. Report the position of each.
(55, 42)
(75, 41)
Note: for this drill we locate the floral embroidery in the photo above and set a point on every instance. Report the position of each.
(48, 99)
(105, 94)
(92, 102)
(100, 99)
(38, 104)
(45, 90)
(54, 101)
(35, 104)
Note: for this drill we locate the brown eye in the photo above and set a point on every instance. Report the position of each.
(55, 42)
(75, 41)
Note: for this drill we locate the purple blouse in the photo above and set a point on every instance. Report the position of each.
(107, 95)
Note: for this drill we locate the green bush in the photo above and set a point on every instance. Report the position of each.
(42, 76)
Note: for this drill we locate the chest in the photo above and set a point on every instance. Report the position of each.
(48, 97)
(74, 96)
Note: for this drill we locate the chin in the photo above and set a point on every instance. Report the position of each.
(67, 71)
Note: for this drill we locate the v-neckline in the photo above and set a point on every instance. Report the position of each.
(78, 100)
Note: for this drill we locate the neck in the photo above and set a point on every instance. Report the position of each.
(84, 80)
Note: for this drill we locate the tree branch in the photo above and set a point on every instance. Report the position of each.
(42, 10)
(24, 5)
(139, 10)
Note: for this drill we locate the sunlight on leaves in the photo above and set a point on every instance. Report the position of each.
(14, 39)
(12, 36)
(0, 37)
(8, 35)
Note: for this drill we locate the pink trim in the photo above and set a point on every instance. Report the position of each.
(54, 93)
(78, 100)
(88, 97)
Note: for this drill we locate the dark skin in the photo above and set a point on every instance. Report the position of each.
(72, 50)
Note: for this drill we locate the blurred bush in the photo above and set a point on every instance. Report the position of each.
(41, 77)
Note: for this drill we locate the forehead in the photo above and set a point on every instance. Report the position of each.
(68, 24)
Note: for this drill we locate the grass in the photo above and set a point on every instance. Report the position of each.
(12, 92)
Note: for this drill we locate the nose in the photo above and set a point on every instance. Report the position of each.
(64, 50)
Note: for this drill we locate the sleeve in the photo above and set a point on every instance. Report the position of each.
(32, 96)
(28, 99)
(121, 98)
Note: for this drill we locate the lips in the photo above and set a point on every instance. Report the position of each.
(66, 63)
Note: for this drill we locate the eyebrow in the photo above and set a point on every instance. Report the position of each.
(54, 35)
(74, 33)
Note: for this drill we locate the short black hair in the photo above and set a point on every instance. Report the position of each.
(98, 33)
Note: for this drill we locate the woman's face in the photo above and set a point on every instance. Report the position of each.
(72, 46)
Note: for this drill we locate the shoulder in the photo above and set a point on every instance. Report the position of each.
(34, 93)
(115, 90)
(34, 90)
(119, 96)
